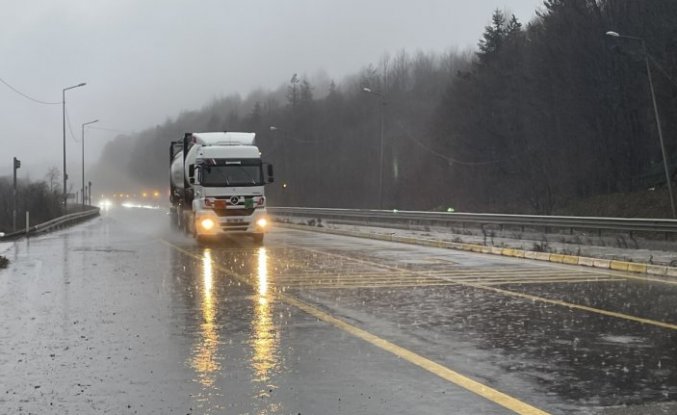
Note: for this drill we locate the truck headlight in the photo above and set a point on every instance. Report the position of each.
(207, 224)
(262, 223)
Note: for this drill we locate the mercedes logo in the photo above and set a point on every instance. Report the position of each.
(234, 200)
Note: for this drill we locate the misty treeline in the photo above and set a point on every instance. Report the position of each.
(542, 114)
(43, 199)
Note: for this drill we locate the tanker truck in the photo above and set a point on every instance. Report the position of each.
(216, 185)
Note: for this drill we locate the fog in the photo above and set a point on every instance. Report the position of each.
(144, 62)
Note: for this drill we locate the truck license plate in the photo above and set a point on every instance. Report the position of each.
(234, 220)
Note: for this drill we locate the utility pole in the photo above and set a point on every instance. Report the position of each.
(668, 179)
(84, 200)
(645, 52)
(63, 124)
(384, 102)
(16, 164)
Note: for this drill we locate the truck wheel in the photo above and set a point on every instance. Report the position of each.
(258, 238)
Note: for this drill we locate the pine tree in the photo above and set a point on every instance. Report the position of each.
(493, 36)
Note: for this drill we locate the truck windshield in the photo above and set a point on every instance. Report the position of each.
(231, 175)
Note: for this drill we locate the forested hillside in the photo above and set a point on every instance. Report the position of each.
(541, 114)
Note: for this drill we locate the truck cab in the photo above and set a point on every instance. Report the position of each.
(223, 180)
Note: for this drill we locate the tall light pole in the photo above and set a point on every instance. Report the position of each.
(380, 166)
(16, 164)
(656, 115)
(83, 158)
(285, 177)
(63, 112)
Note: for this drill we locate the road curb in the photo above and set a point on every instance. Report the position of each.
(614, 265)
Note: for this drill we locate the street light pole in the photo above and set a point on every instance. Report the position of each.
(656, 115)
(380, 166)
(63, 113)
(83, 158)
(16, 163)
(285, 175)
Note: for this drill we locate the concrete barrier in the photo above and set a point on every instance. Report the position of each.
(634, 267)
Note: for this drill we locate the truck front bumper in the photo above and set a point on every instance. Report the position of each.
(207, 222)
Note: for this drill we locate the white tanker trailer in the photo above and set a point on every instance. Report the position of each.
(216, 185)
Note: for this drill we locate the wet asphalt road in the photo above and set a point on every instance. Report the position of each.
(120, 315)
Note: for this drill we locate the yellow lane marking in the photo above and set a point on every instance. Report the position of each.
(388, 281)
(424, 284)
(580, 307)
(618, 274)
(499, 271)
(339, 275)
(567, 281)
(358, 286)
(452, 376)
(355, 276)
(529, 297)
(542, 276)
(417, 285)
(443, 372)
(363, 284)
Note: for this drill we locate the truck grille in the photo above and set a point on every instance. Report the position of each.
(229, 227)
(234, 212)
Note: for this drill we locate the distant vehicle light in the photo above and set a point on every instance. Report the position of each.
(207, 224)
(451, 210)
(262, 223)
(105, 204)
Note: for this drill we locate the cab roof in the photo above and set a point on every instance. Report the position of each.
(224, 138)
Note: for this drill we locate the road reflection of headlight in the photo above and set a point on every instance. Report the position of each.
(207, 224)
(262, 223)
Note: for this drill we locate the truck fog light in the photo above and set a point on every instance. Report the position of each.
(262, 223)
(207, 224)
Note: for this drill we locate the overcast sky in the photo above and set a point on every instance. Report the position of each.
(147, 60)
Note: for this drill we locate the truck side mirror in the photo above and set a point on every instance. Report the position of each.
(271, 179)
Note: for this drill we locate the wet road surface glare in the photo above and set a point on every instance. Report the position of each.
(120, 315)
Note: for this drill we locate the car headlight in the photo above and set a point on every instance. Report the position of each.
(207, 224)
(262, 223)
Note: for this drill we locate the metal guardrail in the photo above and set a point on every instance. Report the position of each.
(393, 217)
(54, 223)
